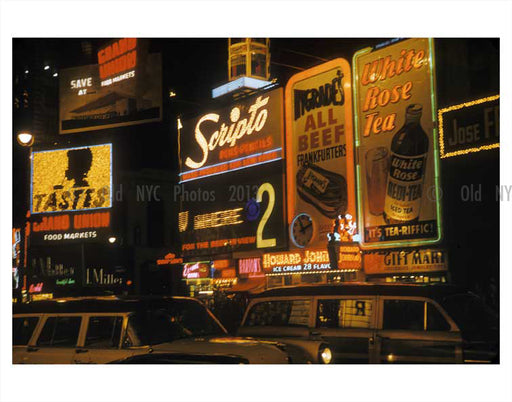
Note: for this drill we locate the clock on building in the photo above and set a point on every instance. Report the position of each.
(301, 230)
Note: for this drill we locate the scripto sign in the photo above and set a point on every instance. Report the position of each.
(71, 179)
(245, 134)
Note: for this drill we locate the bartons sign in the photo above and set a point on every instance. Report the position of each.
(72, 179)
(249, 132)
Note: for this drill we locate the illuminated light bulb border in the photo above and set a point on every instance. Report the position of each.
(458, 107)
(331, 271)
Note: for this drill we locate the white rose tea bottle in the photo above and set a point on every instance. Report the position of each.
(408, 156)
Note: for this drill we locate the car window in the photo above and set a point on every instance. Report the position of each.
(344, 313)
(435, 320)
(60, 332)
(104, 332)
(179, 319)
(291, 313)
(413, 315)
(471, 314)
(403, 314)
(22, 329)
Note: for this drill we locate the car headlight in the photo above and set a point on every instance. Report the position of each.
(325, 355)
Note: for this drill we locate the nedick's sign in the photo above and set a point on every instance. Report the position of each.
(248, 129)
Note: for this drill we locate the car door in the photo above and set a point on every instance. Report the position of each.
(101, 342)
(23, 328)
(416, 330)
(56, 340)
(278, 317)
(347, 324)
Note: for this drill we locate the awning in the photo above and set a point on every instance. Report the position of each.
(251, 285)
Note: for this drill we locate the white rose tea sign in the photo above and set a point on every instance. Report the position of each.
(396, 144)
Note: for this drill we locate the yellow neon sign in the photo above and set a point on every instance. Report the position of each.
(441, 128)
(72, 179)
(217, 219)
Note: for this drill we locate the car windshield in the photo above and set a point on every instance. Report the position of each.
(172, 321)
(471, 314)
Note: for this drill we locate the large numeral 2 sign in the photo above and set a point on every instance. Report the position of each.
(235, 211)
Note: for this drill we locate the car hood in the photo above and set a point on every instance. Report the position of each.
(256, 352)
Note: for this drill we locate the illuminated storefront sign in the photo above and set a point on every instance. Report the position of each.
(307, 261)
(36, 288)
(320, 173)
(246, 134)
(65, 281)
(16, 246)
(405, 261)
(70, 227)
(41, 296)
(196, 270)
(169, 259)
(250, 267)
(469, 127)
(396, 140)
(72, 179)
(124, 89)
(104, 277)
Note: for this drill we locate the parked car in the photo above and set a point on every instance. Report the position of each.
(379, 323)
(108, 329)
(181, 358)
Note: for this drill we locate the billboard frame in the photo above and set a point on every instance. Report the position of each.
(435, 140)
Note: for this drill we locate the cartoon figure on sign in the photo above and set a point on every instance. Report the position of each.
(79, 164)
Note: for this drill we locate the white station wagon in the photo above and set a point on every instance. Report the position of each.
(124, 330)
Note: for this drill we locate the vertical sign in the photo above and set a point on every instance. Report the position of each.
(320, 172)
(397, 169)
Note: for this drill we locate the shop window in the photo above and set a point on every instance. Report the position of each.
(60, 332)
(258, 65)
(287, 313)
(22, 329)
(104, 332)
(238, 66)
(344, 313)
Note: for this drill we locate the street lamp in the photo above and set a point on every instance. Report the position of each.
(112, 239)
(25, 139)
